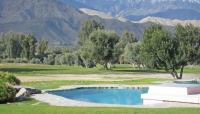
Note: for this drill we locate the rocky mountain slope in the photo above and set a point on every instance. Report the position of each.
(138, 9)
(168, 22)
(52, 20)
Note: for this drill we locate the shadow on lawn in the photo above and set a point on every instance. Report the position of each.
(26, 70)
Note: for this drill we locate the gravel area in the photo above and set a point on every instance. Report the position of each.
(99, 77)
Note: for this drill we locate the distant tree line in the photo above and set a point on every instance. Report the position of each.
(159, 48)
(17, 47)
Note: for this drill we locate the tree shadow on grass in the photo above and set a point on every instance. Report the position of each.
(26, 70)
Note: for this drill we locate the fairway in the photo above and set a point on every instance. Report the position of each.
(32, 69)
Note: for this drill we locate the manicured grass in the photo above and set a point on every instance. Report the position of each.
(56, 84)
(33, 107)
(29, 69)
(195, 70)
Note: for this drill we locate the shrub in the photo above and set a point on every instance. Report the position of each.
(50, 60)
(8, 60)
(66, 59)
(35, 61)
(20, 60)
(7, 93)
(12, 60)
(9, 78)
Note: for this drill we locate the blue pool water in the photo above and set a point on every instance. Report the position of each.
(104, 95)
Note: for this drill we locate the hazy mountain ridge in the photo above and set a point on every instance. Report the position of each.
(169, 22)
(138, 9)
(52, 20)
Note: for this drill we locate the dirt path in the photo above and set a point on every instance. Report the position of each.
(98, 77)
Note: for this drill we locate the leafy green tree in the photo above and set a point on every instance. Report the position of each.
(103, 46)
(42, 47)
(28, 44)
(162, 51)
(126, 39)
(85, 44)
(132, 54)
(187, 40)
(11, 43)
(86, 55)
(32, 43)
(87, 28)
(18, 45)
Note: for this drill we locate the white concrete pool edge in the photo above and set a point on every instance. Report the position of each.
(61, 101)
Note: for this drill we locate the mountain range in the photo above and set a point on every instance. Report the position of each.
(59, 21)
(52, 20)
(136, 10)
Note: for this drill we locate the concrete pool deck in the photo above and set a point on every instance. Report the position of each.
(61, 101)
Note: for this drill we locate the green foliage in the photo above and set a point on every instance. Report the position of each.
(132, 54)
(86, 47)
(35, 61)
(127, 38)
(50, 60)
(103, 46)
(162, 51)
(42, 47)
(86, 54)
(18, 45)
(9, 78)
(7, 93)
(14, 60)
(87, 28)
(187, 40)
(66, 59)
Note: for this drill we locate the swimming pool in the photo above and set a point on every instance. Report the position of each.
(125, 96)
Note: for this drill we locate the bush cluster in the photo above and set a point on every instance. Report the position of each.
(12, 60)
(7, 92)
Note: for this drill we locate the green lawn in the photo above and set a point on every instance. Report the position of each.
(56, 84)
(33, 107)
(28, 69)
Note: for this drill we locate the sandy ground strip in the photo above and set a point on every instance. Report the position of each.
(100, 77)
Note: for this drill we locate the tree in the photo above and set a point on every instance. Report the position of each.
(28, 44)
(87, 28)
(103, 46)
(11, 44)
(187, 40)
(41, 49)
(162, 51)
(132, 54)
(126, 39)
(86, 55)
(85, 46)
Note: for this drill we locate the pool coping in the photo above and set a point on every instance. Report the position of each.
(61, 101)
